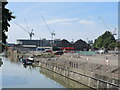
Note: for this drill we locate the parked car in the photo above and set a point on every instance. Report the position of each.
(48, 51)
(100, 51)
(59, 53)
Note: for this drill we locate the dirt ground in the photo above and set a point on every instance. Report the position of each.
(104, 59)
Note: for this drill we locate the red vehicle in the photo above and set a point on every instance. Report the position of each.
(68, 49)
(48, 51)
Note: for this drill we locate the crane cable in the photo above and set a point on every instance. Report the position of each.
(26, 23)
(22, 28)
(104, 23)
(46, 24)
(28, 27)
(114, 32)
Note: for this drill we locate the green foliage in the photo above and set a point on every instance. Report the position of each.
(118, 44)
(112, 46)
(106, 40)
(6, 18)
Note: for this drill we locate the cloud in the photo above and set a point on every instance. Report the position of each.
(87, 22)
(66, 23)
(66, 20)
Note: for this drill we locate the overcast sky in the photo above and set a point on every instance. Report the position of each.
(69, 20)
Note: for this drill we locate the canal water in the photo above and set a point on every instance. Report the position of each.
(16, 75)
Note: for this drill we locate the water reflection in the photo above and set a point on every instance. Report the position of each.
(68, 83)
(29, 66)
(1, 62)
(17, 75)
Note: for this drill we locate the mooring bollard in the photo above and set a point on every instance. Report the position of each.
(98, 83)
(107, 85)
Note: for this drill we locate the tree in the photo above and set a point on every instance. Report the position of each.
(6, 18)
(104, 41)
(112, 45)
(118, 44)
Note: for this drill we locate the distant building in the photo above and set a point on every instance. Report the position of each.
(43, 48)
(20, 47)
(30, 47)
(90, 42)
(39, 43)
(10, 44)
(81, 45)
(57, 44)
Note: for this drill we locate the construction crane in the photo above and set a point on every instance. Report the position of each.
(114, 32)
(52, 33)
(30, 33)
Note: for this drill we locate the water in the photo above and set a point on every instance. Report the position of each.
(15, 75)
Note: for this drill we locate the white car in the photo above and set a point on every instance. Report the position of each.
(101, 51)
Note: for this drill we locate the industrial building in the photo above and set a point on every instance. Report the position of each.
(39, 43)
(57, 44)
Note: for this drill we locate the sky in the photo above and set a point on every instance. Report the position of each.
(69, 20)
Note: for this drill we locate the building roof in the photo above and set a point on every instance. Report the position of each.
(11, 44)
(44, 47)
(29, 45)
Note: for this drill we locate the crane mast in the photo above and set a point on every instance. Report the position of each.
(52, 33)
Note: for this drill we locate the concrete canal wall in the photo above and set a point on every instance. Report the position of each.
(89, 79)
(79, 73)
(66, 82)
